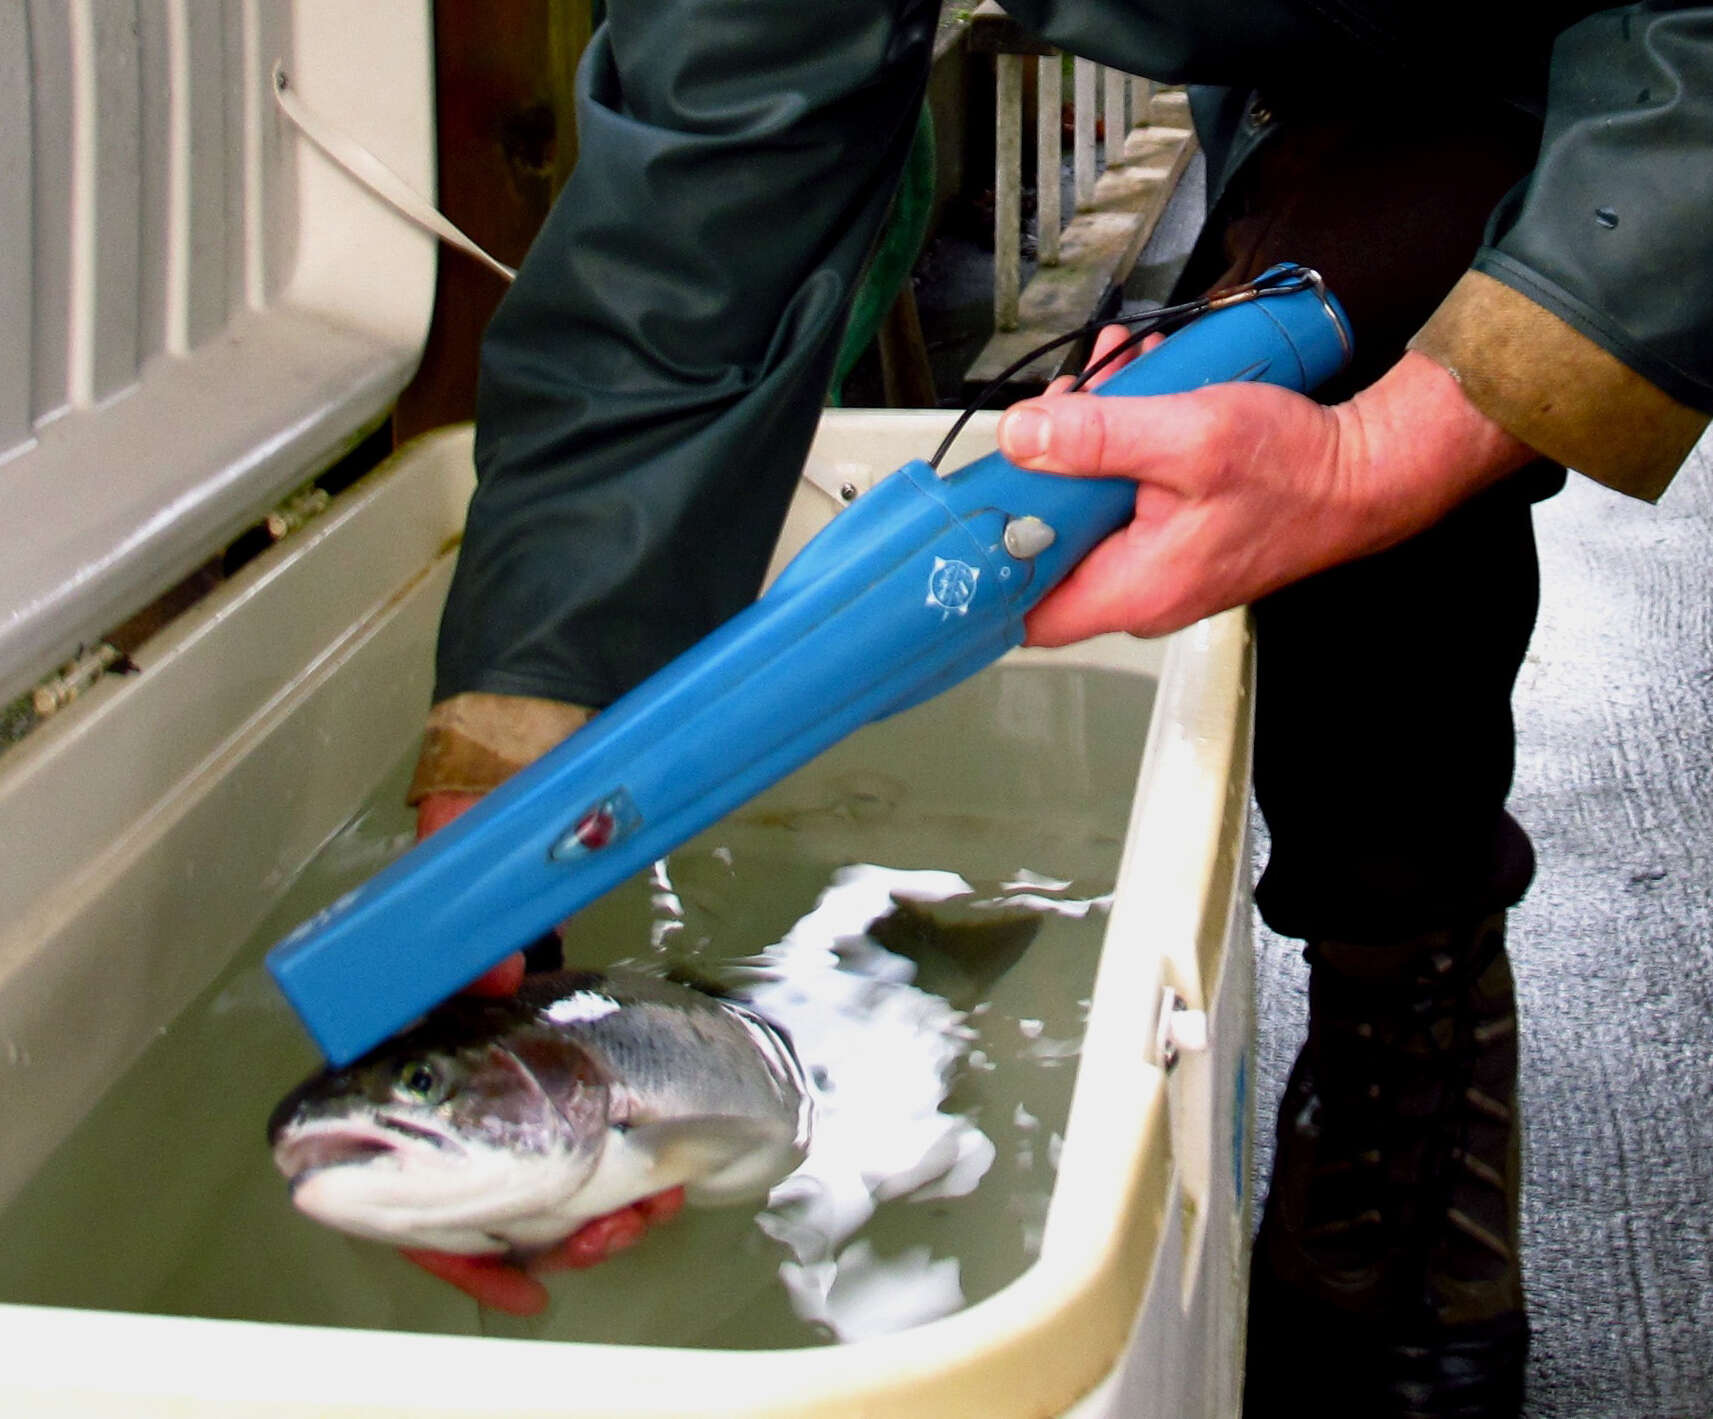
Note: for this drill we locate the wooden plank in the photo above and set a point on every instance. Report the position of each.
(907, 378)
(1169, 108)
(1049, 152)
(1115, 116)
(1008, 190)
(1097, 250)
(1083, 115)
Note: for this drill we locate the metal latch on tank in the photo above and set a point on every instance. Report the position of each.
(843, 483)
(1179, 1031)
(1181, 1040)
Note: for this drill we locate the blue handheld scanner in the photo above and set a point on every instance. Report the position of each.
(917, 585)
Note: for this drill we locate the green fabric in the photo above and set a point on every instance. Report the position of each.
(650, 383)
(1614, 231)
(1610, 230)
(894, 255)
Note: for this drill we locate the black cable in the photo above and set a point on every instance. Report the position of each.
(1277, 282)
(1142, 325)
(1135, 338)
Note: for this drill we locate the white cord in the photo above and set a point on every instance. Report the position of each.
(376, 175)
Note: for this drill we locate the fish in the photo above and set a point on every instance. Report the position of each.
(501, 1126)
(960, 949)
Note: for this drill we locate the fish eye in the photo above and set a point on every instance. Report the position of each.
(417, 1081)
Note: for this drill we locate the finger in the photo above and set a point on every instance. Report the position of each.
(595, 1241)
(1165, 438)
(438, 809)
(1062, 433)
(499, 981)
(1080, 606)
(1127, 583)
(1110, 339)
(663, 1206)
(493, 1282)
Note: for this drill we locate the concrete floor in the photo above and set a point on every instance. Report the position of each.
(1615, 952)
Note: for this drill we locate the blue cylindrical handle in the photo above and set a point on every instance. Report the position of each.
(1297, 340)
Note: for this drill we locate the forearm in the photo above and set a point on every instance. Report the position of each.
(1559, 390)
(1411, 447)
(474, 742)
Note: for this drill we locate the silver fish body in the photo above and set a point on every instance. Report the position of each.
(504, 1125)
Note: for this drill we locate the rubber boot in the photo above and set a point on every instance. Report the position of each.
(1386, 1280)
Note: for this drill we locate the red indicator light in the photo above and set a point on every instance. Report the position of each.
(596, 828)
(613, 820)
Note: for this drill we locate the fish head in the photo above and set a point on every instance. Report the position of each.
(452, 1140)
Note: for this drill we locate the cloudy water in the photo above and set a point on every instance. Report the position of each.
(942, 1035)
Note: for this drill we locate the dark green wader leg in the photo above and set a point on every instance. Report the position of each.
(1385, 1279)
(651, 383)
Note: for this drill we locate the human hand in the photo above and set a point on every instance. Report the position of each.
(496, 1281)
(1244, 488)
(504, 1285)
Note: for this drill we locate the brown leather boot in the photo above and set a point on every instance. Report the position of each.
(1386, 1279)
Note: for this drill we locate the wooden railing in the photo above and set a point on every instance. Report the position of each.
(1121, 180)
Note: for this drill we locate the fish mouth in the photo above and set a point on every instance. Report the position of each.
(316, 1149)
(304, 1157)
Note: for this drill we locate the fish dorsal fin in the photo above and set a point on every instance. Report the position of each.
(688, 976)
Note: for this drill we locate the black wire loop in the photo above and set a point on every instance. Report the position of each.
(1278, 282)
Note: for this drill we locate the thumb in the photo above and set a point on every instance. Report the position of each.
(1090, 435)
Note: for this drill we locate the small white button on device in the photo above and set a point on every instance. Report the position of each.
(1027, 537)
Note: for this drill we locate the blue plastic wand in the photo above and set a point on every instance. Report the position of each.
(917, 585)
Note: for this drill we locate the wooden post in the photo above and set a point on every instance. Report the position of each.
(1049, 146)
(506, 141)
(1141, 101)
(1082, 146)
(1117, 121)
(1007, 190)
